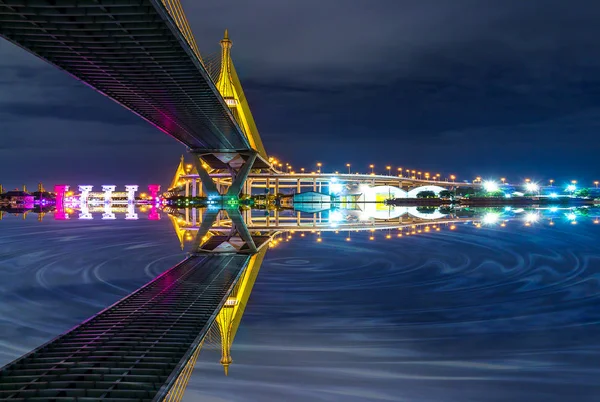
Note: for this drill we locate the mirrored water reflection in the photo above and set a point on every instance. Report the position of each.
(479, 304)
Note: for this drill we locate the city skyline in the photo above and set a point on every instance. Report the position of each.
(308, 103)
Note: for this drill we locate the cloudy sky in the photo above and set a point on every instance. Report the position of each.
(492, 88)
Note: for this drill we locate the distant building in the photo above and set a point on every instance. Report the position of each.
(17, 198)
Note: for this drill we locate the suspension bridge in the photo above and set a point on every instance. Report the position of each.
(142, 54)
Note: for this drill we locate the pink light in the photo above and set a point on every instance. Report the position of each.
(60, 190)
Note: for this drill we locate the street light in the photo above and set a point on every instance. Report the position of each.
(389, 169)
(596, 183)
(452, 177)
(302, 170)
(372, 167)
(319, 164)
(399, 172)
(551, 182)
(503, 180)
(348, 166)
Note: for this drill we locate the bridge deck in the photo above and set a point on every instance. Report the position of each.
(133, 52)
(133, 350)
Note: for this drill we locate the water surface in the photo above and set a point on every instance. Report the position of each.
(474, 314)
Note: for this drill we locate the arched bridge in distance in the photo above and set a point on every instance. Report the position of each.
(142, 55)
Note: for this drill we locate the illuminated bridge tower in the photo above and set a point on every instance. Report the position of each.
(235, 162)
(84, 194)
(230, 88)
(230, 316)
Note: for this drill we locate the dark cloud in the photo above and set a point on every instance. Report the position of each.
(433, 84)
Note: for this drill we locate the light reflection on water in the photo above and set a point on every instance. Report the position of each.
(489, 314)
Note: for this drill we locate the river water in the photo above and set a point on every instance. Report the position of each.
(484, 313)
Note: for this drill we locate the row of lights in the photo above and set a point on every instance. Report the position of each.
(406, 173)
(412, 174)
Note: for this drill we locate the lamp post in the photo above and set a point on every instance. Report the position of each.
(452, 177)
(372, 167)
(348, 166)
(551, 182)
(503, 180)
(319, 164)
(389, 169)
(399, 172)
(596, 183)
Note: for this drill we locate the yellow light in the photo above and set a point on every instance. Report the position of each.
(371, 238)
(399, 234)
(573, 222)
(347, 239)
(388, 236)
(437, 229)
(318, 239)
(551, 223)
(596, 221)
(301, 234)
(452, 227)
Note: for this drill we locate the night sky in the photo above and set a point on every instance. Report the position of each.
(491, 88)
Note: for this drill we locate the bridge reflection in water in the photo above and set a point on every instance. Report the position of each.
(145, 346)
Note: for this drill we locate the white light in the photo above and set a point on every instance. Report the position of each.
(335, 216)
(571, 216)
(491, 218)
(531, 217)
(490, 186)
(532, 187)
(553, 209)
(571, 187)
(335, 188)
(553, 195)
(507, 195)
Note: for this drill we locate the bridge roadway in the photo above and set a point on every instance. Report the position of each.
(323, 178)
(140, 54)
(136, 349)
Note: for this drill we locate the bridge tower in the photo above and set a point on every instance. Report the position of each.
(230, 88)
(108, 190)
(131, 189)
(230, 316)
(85, 193)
